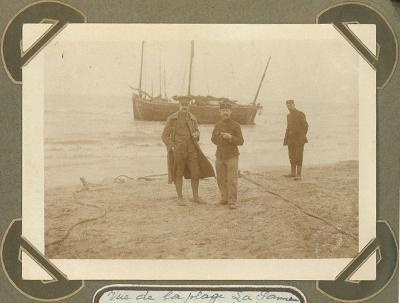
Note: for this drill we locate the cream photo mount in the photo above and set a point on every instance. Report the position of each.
(189, 269)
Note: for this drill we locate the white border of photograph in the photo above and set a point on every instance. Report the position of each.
(197, 269)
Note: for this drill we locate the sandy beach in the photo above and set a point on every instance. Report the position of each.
(276, 217)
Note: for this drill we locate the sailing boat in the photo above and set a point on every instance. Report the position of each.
(204, 108)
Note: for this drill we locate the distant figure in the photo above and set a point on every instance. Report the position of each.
(185, 158)
(227, 135)
(295, 138)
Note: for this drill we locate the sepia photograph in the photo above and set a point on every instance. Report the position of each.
(234, 148)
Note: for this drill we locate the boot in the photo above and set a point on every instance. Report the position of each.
(298, 175)
(293, 171)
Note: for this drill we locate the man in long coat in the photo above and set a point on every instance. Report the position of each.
(185, 158)
(295, 138)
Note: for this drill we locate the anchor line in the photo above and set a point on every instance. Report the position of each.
(301, 209)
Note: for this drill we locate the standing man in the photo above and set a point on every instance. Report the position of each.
(295, 138)
(227, 135)
(185, 158)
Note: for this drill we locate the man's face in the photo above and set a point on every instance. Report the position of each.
(290, 106)
(225, 113)
(184, 107)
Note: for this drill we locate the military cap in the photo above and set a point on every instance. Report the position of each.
(290, 101)
(183, 99)
(225, 105)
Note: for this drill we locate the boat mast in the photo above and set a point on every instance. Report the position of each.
(261, 81)
(190, 66)
(141, 71)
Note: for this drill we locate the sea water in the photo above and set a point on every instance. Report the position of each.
(97, 138)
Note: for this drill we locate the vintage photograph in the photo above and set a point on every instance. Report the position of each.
(181, 144)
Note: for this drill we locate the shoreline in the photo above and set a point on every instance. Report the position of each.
(284, 169)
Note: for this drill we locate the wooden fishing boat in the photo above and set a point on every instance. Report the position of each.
(153, 110)
(204, 108)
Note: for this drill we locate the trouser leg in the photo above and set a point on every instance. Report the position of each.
(178, 186)
(232, 178)
(193, 165)
(299, 167)
(292, 158)
(195, 188)
(179, 165)
(292, 169)
(300, 155)
(220, 168)
(300, 150)
(299, 158)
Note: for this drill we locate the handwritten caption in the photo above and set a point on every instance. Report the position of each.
(198, 296)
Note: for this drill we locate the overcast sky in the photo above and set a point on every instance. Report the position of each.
(311, 70)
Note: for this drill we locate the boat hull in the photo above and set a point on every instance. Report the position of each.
(205, 114)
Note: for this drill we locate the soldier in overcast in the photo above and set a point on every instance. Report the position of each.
(185, 158)
(295, 138)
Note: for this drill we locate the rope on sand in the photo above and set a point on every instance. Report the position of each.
(69, 230)
(308, 213)
(86, 187)
(121, 178)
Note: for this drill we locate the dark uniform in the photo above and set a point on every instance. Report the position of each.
(295, 138)
(185, 153)
(227, 158)
(185, 158)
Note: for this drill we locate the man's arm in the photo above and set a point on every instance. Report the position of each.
(237, 137)
(215, 135)
(287, 132)
(196, 134)
(166, 135)
(304, 123)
